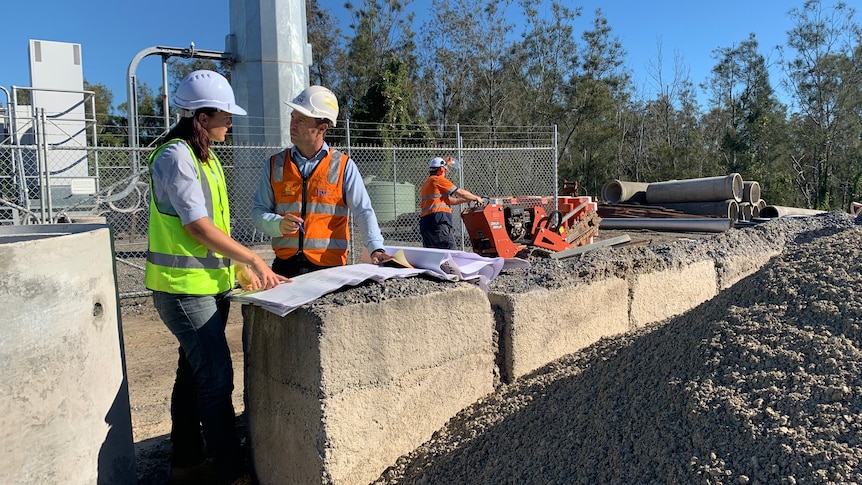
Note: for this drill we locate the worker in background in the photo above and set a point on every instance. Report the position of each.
(436, 196)
(192, 263)
(307, 191)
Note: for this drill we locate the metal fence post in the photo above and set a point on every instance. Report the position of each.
(556, 169)
(394, 181)
(42, 156)
(459, 149)
(352, 251)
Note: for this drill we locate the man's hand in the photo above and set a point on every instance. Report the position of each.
(380, 256)
(289, 224)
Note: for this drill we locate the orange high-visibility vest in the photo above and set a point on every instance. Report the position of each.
(434, 195)
(319, 201)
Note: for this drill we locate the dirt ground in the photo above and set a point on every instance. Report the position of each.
(151, 358)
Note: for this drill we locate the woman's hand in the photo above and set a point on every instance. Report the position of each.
(249, 279)
(246, 277)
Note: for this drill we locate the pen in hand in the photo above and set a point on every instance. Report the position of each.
(290, 224)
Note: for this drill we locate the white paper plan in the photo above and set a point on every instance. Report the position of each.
(439, 263)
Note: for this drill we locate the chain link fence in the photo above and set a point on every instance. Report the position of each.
(45, 183)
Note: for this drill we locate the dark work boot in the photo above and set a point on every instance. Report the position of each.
(202, 473)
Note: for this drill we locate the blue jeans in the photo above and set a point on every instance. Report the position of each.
(201, 399)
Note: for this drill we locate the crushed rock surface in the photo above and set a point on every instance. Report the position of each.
(759, 385)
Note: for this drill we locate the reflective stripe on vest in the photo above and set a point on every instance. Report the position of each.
(176, 262)
(319, 201)
(430, 200)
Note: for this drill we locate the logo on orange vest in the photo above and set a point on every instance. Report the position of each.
(322, 192)
(288, 190)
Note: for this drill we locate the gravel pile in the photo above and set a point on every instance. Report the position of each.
(759, 385)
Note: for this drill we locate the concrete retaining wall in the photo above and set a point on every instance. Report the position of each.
(735, 269)
(664, 294)
(543, 325)
(335, 394)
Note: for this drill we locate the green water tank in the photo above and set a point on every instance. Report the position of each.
(391, 199)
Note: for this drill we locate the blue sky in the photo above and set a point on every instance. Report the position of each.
(112, 32)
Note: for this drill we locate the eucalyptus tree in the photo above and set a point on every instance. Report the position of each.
(324, 35)
(823, 79)
(546, 59)
(381, 29)
(464, 70)
(594, 98)
(443, 88)
(746, 123)
(671, 136)
(489, 71)
(385, 115)
(150, 115)
(110, 128)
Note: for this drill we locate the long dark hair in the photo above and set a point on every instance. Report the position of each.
(192, 132)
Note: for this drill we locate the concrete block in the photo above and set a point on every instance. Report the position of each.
(337, 393)
(663, 294)
(543, 325)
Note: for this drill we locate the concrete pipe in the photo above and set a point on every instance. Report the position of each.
(746, 209)
(773, 211)
(755, 211)
(708, 189)
(619, 191)
(726, 208)
(708, 224)
(760, 204)
(750, 191)
(65, 384)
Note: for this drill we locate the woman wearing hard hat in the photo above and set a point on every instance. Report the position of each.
(189, 268)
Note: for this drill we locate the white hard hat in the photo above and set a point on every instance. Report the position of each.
(316, 102)
(206, 89)
(438, 162)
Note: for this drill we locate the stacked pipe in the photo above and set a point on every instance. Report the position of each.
(726, 197)
(748, 206)
(708, 196)
(714, 197)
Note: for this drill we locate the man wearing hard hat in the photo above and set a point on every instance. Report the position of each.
(436, 196)
(307, 191)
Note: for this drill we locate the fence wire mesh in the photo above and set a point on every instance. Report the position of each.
(46, 183)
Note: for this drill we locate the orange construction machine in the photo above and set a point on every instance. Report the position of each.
(522, 226)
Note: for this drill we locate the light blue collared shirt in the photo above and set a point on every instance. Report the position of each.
(176, 188)
(355, 196)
